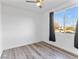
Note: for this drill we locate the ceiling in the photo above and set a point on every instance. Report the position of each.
(48, 4)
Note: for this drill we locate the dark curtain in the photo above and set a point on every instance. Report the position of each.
(52, 32)
(76, 37)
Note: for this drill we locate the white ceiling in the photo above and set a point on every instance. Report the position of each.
(48, 4)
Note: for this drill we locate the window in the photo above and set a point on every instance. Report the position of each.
(71, 19)
(65, 21)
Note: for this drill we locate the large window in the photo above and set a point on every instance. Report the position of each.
(65, 20)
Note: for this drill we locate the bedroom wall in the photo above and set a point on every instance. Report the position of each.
(64, 41)
(20, 27)
(0, 32)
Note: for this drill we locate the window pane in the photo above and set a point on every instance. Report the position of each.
(59, 21)
(65, 21)
(71, 19)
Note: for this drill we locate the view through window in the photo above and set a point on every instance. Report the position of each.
(65, 21)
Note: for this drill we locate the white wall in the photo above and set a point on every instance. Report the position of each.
(0, 32)
(20, 26)
(45, 26)
(64, 41)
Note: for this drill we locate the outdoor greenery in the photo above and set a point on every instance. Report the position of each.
(72, 28)
(58, 28)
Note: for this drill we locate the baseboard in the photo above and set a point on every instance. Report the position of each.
(0, 54)
(19, 45)
(73, 54)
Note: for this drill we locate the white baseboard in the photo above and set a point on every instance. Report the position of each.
(0, 54)
(18, 45)
(73, 50)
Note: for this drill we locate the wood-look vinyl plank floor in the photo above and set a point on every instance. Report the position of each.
(40, 50)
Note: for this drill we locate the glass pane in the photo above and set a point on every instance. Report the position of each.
(59, 21)
(65, 21)
(71, 19)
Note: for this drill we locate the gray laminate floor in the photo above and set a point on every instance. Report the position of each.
(39, 50)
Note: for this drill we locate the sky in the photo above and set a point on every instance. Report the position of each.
(70, 18)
